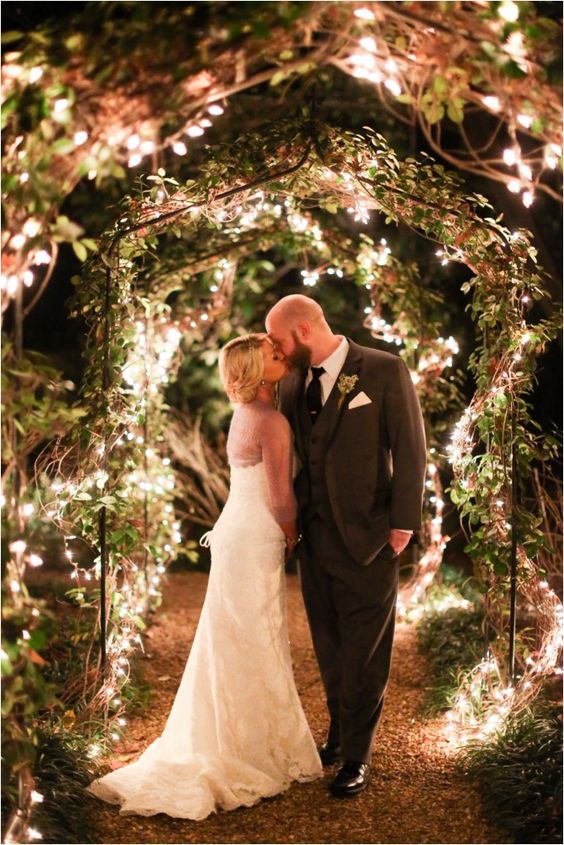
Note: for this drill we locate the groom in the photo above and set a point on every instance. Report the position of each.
(360, 437)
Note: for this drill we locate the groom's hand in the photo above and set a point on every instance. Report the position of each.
(398, 540)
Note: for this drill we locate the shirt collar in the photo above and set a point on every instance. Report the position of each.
(334, 362)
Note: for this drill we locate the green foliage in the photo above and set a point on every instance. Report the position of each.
(62, 771)
(452, 640)
(519, 772)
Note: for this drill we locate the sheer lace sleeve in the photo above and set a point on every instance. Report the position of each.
(259, 432)
(277, 455)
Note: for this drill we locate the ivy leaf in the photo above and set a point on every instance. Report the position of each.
(455, 110)
(65, 230)
(63, 146)
(80, 250)
(440, 85)
(13, 35)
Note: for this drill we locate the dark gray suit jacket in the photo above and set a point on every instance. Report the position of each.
(374, 455)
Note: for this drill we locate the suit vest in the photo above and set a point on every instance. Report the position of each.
(314, 496)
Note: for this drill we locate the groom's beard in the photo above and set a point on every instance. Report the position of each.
(300, 357)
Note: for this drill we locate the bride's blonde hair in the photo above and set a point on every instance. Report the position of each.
(241, 367)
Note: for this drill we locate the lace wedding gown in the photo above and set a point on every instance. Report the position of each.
(236, 732)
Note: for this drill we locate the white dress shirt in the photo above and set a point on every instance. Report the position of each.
(333, 365)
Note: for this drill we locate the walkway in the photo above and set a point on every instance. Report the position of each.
(415, 794)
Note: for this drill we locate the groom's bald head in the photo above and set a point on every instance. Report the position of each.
(298, 326)
(291, 309)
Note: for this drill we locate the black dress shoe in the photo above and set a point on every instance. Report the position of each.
(351, 778)
(329, 753)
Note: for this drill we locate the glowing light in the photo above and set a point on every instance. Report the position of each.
(133, 142)
(28, 278)
(368, 43)
(36, 797)
(35, 560)
(28, 509)
(26, 635)
(17, 241)
(492, 103)
(80, 137)
(550, 156)
(180, 148)
(195, 131)
(14, 586)
(528, 199)
(215, 109)
(35, 74)
(364, 14)
(514, 185)
(509, 11)
(393, 86)
(525, 120)
(525, 171)
(33, 833)
(42, 257)
(509, 156)
(134, 160)
(61, 105)
(31, 227)
(18, 546)
(147, 147)
(362, 60)
(24, 178)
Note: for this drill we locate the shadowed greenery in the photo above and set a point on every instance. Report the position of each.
(520, 775)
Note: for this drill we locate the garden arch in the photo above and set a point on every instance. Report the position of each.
(317, 165)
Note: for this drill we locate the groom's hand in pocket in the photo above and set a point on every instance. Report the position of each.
(398, 540)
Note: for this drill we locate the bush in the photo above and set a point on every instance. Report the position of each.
(452, 641)
(519, 772)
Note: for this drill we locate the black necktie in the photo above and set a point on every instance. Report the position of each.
(313, 393)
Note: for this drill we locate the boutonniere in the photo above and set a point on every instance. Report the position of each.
(345, 384)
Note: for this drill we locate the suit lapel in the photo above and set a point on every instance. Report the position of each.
(333, 408)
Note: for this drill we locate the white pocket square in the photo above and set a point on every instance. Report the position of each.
(359, 400)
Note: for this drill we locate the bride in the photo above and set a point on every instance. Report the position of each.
(236, 732)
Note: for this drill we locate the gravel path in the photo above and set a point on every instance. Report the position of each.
(415, 794)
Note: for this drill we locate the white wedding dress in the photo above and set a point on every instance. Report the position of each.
(236, 732)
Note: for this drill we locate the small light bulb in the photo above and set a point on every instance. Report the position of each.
(195, 131)
(17, 241)
(215, 109)
(509, 11)
(80, 137)
(492, 103)
(61, 105)
(180, 148)
(31, 227)
(368, 43)
(364, 14)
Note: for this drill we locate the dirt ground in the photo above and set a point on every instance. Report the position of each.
(415, 794)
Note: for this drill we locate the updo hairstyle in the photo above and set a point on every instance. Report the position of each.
(241, 367)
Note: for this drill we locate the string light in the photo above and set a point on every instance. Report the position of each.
(364, 14)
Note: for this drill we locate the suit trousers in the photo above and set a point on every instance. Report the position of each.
(351, 611)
